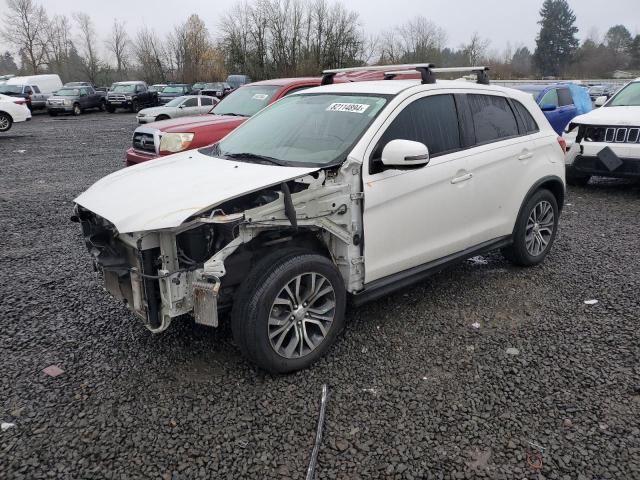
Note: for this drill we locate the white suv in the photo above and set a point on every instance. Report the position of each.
(346, 190)
(606, 142)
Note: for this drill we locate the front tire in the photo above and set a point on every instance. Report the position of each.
(289, 310)
(101, 106)
(5, 122)
(77, 110)
(535, 231)
(134, 107)
(111, 108)
(161, 117)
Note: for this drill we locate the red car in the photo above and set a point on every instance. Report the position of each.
(170, 136)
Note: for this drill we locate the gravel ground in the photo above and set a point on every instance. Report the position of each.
(415, 390)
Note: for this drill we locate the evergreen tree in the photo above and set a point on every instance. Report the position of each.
(634, 52)
(556, 42)
(618, 39)
(8, 64)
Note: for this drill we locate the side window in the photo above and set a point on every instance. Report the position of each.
(430, 120)
(191, 102)
(550, 98)
(564, 97)
(493, 119)
(204, 101)
(27, 90)
(139, 88)
(296, 89)
(84, 91)
(529, 122)
(36, 89)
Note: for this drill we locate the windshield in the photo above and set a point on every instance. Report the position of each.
(199, 85)
(629, 96)
(246, 101)
(124, 88)
(10, 89)
(175, 102)
(312, 130)
(68, 92)
(173, 90)
(214, 86)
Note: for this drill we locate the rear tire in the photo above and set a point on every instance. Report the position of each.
(5, 122)
(535, 230)
(162, 117)
(271, 330)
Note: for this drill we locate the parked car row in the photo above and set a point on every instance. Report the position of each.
(287, 200)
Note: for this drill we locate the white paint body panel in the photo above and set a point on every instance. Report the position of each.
(164, 193)
(19, 113)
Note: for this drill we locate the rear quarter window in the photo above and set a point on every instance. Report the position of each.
(529, 123)
(564, 97)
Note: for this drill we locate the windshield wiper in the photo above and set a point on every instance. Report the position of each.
(231, 114)
(253, 156)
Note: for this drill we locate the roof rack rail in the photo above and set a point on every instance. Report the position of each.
(327, 75)
(427, 71)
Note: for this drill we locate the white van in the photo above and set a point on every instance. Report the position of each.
(34, 88)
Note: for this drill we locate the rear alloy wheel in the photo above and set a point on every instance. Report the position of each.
(535, 230)
(289, 310)
(77, 110)
(5, 122)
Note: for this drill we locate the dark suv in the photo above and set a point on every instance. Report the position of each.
(172, 91)
(130, 95)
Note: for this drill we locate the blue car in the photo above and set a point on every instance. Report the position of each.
(560, 103)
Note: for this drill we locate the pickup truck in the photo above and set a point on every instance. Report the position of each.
(75, 100)
(131, 95)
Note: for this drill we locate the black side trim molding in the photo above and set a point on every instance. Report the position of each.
(386, 285)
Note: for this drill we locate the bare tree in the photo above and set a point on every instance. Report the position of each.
(418, 40)
(58, 43)
(118, 45)
(476, 49)
(25, 25)
(87, 40)
(149, 54)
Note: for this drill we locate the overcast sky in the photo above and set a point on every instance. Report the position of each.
(501, 21)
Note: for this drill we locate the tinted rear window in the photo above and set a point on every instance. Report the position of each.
(493, 118)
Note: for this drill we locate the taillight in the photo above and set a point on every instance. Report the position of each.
(20, 102)
(563, 144)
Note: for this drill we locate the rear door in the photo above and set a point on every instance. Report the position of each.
(206, 104)
(500, 162)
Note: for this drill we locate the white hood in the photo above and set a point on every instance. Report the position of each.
(157, 110)
(163, 193)
(614, 116)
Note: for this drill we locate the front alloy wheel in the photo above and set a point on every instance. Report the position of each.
(301, 315)
(5, 122)
(289, 309)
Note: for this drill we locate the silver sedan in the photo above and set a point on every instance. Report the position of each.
(178, 107)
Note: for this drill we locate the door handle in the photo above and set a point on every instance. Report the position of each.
(525, 156)
(462, 178)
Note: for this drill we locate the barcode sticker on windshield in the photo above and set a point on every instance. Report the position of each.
(260, 96)
(348, 107)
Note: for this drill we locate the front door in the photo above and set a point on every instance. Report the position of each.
(415, 215)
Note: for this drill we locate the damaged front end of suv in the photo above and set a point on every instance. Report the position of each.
(195, 267)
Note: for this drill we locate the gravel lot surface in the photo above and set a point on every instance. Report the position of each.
(415, 391)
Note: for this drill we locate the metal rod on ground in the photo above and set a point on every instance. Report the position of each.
(311, 471)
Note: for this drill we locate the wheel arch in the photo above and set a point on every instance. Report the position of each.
(552, 183)
(4, 112)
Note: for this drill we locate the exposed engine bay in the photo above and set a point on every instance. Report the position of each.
(195, 268)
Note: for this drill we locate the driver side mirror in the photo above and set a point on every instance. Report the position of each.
(548, 107)
(181, 105)
(600, 101)
(405, 153)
